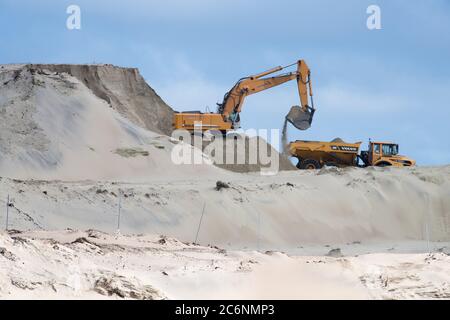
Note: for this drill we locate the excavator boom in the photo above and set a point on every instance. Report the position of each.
(300, 116)
(227, 116)
(235, 98)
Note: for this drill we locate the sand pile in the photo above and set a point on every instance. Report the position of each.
(52, 126)
(237, 155)
(124, 89)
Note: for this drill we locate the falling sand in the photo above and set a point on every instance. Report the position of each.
(284, 142)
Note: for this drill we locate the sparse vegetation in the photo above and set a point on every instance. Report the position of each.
(131, 152)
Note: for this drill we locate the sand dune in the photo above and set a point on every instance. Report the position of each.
(283, 211)
(79, 144)
(80, 265)
(54, 127)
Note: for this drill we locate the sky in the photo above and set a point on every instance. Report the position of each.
(391, 84)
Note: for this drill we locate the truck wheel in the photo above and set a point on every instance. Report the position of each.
(310, 164)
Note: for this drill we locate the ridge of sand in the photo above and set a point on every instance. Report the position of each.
(94, 265)
(124, 89)
(282, 212)
(53, 127)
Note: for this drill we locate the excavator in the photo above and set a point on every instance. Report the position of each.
(227, 116)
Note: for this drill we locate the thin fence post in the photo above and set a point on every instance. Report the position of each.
(7, 212)
(200, 223)
(259, 230)
(427, 221)
(118, 216)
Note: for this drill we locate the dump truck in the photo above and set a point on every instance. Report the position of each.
(227, 116)
(316, 154)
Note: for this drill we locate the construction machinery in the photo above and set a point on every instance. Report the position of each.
(227, 116)
(316, 154)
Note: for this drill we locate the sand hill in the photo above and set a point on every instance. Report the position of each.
(64, 121)
(79, 144)
(55, 126)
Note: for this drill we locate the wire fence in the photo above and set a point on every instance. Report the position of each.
(123, 205)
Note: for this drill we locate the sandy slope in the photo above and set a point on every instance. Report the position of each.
(282, 212)
(124, 89)
(95, 265)
(71, 152)
(52, 126)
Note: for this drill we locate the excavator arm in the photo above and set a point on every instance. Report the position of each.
(227, 116)
(234, 99)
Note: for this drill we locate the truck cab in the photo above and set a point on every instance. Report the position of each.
(385, 154)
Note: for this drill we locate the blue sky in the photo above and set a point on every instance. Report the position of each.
(389, 84)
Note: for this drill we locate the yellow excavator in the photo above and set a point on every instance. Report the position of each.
(227, 116)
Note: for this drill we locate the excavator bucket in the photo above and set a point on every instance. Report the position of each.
(299, 118)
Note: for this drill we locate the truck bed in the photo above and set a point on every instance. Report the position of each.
(319, 153)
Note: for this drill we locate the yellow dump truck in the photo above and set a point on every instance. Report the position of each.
(316, 154)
